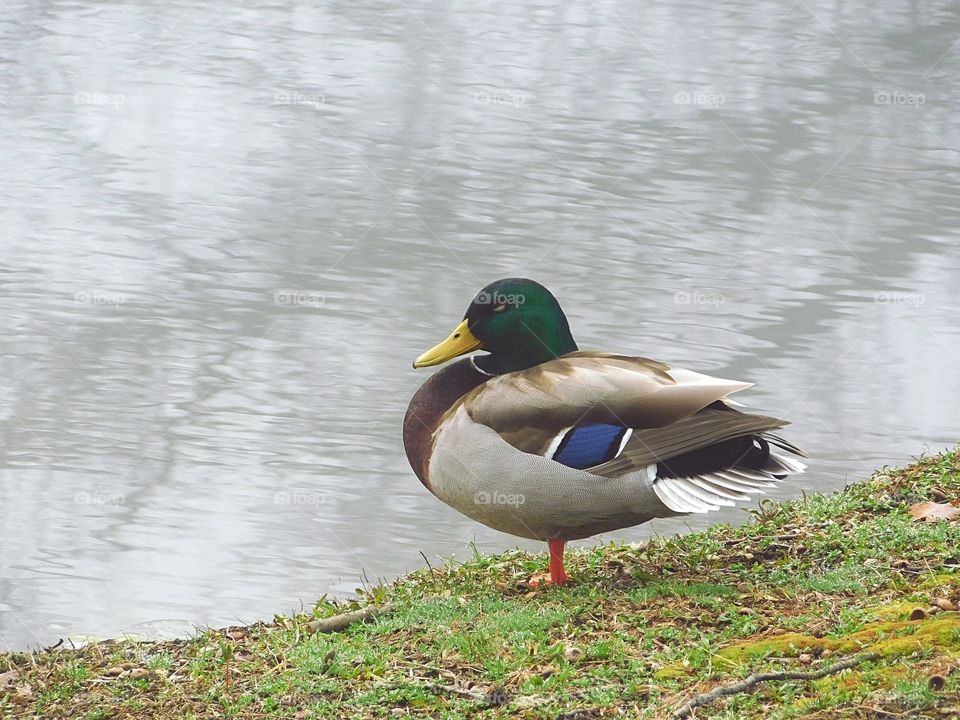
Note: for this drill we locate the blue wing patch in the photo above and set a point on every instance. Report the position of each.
(587, 445)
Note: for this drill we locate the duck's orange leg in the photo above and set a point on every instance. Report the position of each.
(557, 574)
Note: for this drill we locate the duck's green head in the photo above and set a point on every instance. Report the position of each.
(517, 321)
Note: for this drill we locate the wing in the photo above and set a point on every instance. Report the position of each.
(617, 417)
(533, 409)
(705, 428)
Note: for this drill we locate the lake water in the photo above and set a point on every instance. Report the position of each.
(228, 229)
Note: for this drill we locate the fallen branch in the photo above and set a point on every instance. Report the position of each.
(339, 622)
(755, 679)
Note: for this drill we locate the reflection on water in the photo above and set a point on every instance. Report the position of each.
(229, 231)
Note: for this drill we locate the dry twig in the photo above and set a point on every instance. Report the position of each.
(754, 679)
(339, 622)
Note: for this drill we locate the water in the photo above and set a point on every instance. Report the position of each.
(228, 231)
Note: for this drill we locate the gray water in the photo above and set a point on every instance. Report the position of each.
(227, 229)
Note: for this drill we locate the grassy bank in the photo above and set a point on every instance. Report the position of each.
(645, 628)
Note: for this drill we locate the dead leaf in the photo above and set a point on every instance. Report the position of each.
(944, 604)
(931, 511)
(9, 679)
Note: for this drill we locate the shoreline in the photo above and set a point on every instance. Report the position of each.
(837, 605)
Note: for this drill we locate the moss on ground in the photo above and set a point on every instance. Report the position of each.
(807, 583)
(889, 639)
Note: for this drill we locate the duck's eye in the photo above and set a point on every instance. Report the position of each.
(500, 308)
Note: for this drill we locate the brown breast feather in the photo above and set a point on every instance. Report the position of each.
(427, 408)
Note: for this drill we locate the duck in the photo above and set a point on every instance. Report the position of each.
(534, 437)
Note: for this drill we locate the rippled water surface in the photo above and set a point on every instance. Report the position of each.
(227, 229)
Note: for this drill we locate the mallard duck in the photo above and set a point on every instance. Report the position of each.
(542, 440)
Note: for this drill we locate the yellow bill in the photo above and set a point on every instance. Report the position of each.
(461, 341)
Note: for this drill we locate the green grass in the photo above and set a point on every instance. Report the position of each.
(643, 629)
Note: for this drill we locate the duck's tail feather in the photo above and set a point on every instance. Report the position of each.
(686, 488)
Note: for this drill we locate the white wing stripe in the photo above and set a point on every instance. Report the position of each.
(555, 443)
